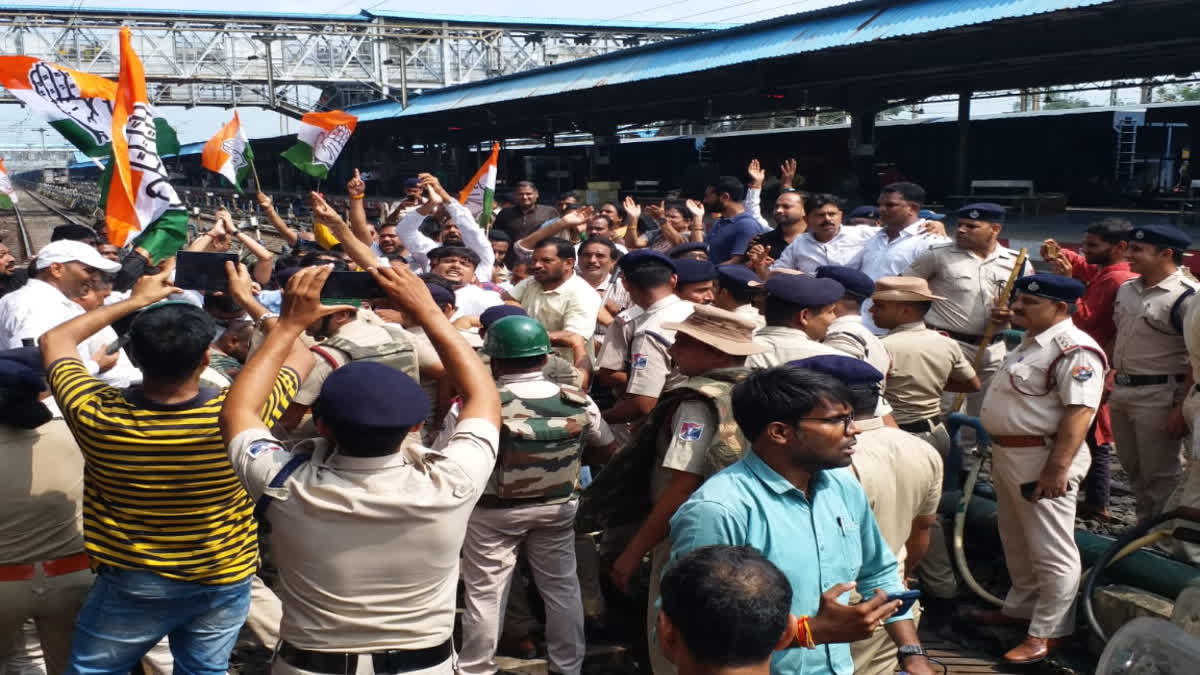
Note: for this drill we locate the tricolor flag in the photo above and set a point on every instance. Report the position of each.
(141, 206)
(77, 105)
(479, 195)
(320, 140)
(229, 154)
(8, 196)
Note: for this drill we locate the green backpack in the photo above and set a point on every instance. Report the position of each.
(541, 446)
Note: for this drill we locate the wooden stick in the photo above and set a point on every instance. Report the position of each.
(986, 341)
(257, 184)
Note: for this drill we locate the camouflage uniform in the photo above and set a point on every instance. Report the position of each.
(530, 499)
(359, 340)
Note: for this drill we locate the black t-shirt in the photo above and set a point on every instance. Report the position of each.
(774, 242)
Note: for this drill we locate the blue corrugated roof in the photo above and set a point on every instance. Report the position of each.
(842, 26)
(225, 14)
(80, 160)
(547, 21)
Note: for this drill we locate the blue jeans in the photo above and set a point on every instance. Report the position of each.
(127, 612)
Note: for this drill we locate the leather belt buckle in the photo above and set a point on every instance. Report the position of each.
(1123, 380)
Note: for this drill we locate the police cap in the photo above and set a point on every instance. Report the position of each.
(854, 281)
(984, 211)
(643, 256)
(1161, 235)
(370, 395)
(738, 276)
(692, 271)
(804, 290)
(1051, 286)
(687, 247)
(847, 369)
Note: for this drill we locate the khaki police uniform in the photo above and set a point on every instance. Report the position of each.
(362, 334)
(1150, 359)
(749, 311)
(848, 335)
(902, 476)
(44, 573)
(922, 362)
(650, 366)
(1188, 492)
(785, 344)
(969, 285)
(1022, 410)
(390, 532)
(547, 530)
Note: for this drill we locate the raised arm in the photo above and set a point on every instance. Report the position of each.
(473, 235)
(696, 228)
(471, 377)
(359, 251)
(268, 207)
(633, 214)
(357, 190)
(263, 255)
(577, 218)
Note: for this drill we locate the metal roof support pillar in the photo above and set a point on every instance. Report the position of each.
(862, 146)
(960, 156)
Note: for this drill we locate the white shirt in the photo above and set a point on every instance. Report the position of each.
(36, 307)
(884, 257)
(471, 300)
(474, 238)
(753, 205)
(806, 254)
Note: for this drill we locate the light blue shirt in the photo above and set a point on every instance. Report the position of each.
(818, 543)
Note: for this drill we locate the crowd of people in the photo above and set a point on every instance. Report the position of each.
(599, 402)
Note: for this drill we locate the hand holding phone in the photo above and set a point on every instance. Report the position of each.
(202, 271)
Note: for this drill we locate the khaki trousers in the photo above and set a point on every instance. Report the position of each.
(877, 654)
(52, 603)
(1188, 492)
(936, 570)
(1139, 420)
(992, 358)
(658, 564)
(1038, 540)
(489, 557)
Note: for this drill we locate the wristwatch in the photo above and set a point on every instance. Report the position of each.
(910, 650)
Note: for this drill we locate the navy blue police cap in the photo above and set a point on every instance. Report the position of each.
(854, 281)
(643, 256)
(805, 291)
(738, 276)
(1161, 235)
(493, 314)
(984, 211)
(22, 368)
(1050, 286)
(847, 369)
(687, 247)
(441, 295)
(370, 395)
(871, 212)
(692, 271)
(412, 183)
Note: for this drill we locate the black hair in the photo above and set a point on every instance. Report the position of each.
(1176, 253)
(525, 183)
(783, 394)
(909, 192)
(357, 442)
(924, 306)
(432, 279)
(729, 603)
(241, 329)
(613, 251)
(564, 249)
(1111, 230)
(566, 195)
(431, 227)
(682, 208)
(853, 297)
(646, 277)
(605, 219)
(815, 201)
(779, 312)
(864, 399)
(455, 252)
(223, 304)
(499, 235)
(527, 363)
(314, 258)
(169, 342)
(742, 295)
(620, 211)
(731, 185)
(20, 407)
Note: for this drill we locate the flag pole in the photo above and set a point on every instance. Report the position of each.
(257, 184)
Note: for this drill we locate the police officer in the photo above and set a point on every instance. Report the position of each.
(924, 363)
(738, 291)
(696, 280)
(1037, 410)
(530, 499)
(696, 250)
(847, 332)
(651, 280)
(1151, 364)
(692, 434)
(969, 275)
(366, 531)
(902, 476)
(799, 310)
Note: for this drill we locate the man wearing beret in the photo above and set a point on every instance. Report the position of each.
(367, 529)
(799, 310)
(738, 291)
(847, 332)
(969, 276)
(902, 476)
(1150, 359)
(1037, 411)
(696, 280)
(696, 250)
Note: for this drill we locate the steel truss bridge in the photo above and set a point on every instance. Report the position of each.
(293, 63)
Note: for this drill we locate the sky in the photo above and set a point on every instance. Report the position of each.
(19, 128)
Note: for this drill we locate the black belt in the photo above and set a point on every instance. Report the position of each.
(920, 426)
(1144, 380)
(964, 337)
(385, 663)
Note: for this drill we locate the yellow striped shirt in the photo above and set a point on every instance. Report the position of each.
(159, 492)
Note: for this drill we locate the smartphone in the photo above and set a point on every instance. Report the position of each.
(1027, 490)
(351, 286)
(198, 271)
(906, 598)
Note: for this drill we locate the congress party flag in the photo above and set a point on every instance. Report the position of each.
(229, 154)
(8, 196)
(320, 140)
(479, 195)
(141, 207)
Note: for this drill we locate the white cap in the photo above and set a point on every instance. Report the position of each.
(65, 251)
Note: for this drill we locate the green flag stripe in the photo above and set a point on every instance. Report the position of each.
(300, 155)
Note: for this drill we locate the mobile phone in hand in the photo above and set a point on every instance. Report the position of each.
(351, 286)
(201, 271)
(1027, 490)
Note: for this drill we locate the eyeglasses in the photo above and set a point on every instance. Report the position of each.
(844, 420)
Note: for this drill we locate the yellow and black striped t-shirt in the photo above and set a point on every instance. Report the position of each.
(159, 492)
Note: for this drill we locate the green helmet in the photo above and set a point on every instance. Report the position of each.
(516, 337)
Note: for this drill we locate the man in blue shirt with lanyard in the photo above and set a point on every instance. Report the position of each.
(792, 498)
